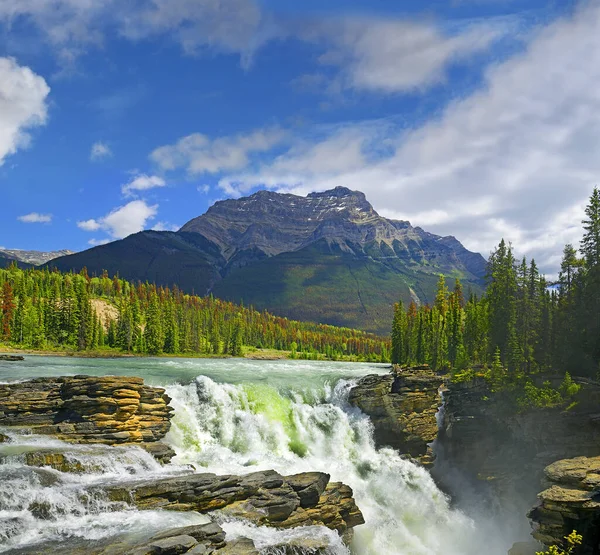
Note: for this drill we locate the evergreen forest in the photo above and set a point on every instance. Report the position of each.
(49, 310)
(522, 328)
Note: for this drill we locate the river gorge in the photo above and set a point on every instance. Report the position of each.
(235, 417)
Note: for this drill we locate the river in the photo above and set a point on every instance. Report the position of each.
(233, 416)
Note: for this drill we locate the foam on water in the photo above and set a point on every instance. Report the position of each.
(240, 428)
(45, 505)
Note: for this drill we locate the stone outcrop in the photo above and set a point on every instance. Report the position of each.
(402, 406)
(11, 358)
(571, 502)
(88, 409)
(265, 498)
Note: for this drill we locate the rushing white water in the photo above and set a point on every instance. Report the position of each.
(236, 417)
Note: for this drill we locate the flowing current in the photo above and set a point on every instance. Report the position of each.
(231, 416)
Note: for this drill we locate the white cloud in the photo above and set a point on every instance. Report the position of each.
(22, 105)
(391, 56)
(89, 225)
(517, 158)
(203, 189)
(142, 182)
(199, 154)
(232, 26)
(124, 220)
(69, 26)
(35, 218)
(99, 151)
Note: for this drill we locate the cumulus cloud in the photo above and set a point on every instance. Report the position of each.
(22, 105)
(517, 158)
(228, 25)
(165, 226)
(142, 182)
(99, 151)
(35, 218)
(89, 225)
(199, 154)
(124, 220)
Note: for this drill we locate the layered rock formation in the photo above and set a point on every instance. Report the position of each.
(571, 502)
(87, 409)
(265, 498)
(402, 406)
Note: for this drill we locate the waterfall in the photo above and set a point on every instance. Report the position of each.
(233, 416)
(237, 428)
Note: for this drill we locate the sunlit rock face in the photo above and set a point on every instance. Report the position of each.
(402, 407)
(86, 409)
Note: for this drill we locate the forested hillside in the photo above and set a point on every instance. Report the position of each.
(44, 309)
(521, 328)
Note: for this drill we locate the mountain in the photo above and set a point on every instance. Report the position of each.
(34, 258)
(328, 257)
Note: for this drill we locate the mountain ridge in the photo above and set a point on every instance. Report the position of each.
(327, 257)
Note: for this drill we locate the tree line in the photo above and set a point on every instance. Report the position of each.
(522, 327)
(43, 309)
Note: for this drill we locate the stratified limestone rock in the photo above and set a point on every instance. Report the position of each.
(88, 409)
(265, 498)
(402, 407)
(572, 502)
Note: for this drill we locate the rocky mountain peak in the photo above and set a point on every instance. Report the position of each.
(277, 222)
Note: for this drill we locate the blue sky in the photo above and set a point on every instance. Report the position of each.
(476, 118)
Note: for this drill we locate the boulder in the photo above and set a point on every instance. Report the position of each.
(11, 358)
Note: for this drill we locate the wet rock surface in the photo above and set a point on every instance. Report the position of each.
(264, 498)
(489, 439)
(87, 409)
(402, 406)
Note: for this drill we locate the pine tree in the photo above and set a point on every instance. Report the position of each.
(399, 335)
(8, 309)
(590, 244)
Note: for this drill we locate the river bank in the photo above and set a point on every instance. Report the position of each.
(251, 353)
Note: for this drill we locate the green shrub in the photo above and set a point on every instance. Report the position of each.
(571, 542)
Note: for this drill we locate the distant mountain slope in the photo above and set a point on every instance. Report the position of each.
(328, 257)
(5, 262)
(35, 258)
(186, 259)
